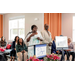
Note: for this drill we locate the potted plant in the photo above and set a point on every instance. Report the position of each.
(33, 59)
(53, 57)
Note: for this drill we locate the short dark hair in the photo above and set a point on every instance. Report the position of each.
(61, 35)
(45, 24)
(33, 27)
(16, 37)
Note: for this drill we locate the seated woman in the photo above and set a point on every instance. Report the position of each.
(21, 48)
(54, 51)
(70, 50)
(13, 52)
(3, 43)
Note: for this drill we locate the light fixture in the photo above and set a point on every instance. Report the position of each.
(36, 19)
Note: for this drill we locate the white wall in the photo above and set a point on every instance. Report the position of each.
(67, 23)
(67, 20)
(29, 20)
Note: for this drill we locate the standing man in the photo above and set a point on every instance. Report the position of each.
(47, 38)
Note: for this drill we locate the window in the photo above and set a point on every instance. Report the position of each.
(73, 28)
(16, 28)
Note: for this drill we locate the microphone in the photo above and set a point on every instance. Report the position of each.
(28, 34)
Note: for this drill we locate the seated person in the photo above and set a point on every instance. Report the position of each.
(54, 51)
(21, 48)
(3, 43)
(71, 48)
(13, 51)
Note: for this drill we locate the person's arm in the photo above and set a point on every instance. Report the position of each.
(44, 40)
(40, 36)
(39, 39)
(17, 49)
(25, 48)
(73, 47)
(12, 46)
(51, 38)
(5, 45)
(53, 49)
(28, 39)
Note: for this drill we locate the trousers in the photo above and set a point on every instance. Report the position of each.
(19, 56)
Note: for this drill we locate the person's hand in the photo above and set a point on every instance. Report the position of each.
(14, 48)
(50, 44)
(33, 34)
(21, 51)
(52, 53)
(57, 51)
(38, 38)
(69, 50)
(2, 47)
(24, 51)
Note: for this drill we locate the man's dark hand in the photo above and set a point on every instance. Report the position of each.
(38, 38)
(33, 34)
(50, 44)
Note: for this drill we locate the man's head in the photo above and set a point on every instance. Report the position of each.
(61, 35)
(46, 26)
(34, 28)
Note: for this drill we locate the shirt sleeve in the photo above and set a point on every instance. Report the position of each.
(73, 46)
(50, 37)
(6, 45)
(40, 35)
(25, 48)
(27, 37)
(17, 48)
(44, 41)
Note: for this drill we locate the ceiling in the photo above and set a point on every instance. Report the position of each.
(3, 13)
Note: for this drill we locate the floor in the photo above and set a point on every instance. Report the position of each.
(59, 56)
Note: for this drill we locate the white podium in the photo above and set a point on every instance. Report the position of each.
(38, 50)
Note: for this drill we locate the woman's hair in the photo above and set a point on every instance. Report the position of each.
(16, 37)
(2, 38)
(69, 38)
(22, 42)
(33, 27)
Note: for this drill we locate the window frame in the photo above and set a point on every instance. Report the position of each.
(73, 30)
(16, 28)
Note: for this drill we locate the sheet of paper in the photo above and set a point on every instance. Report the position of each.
(30, 51)
(40, 50)
(61, 41)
